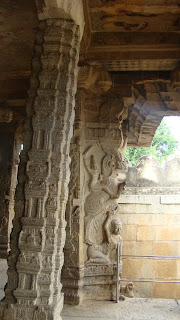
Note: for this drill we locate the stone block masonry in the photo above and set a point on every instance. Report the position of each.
(150, 212)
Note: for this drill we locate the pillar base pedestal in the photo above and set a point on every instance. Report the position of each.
(26, 312)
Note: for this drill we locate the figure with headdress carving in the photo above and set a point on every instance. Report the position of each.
(105, 185)
(106, 252)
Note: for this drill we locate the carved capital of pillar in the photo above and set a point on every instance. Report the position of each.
(94, 80)
(65, 9)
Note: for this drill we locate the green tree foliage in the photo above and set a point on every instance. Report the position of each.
(163, 145)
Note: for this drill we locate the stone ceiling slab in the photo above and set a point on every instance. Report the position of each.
(121, 36)
(134, 16)
(17, 32)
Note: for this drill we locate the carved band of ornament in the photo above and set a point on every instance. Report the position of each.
(102, 132)
(99, 270)
(29, 221)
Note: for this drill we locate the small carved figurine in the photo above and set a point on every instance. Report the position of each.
(128, 290)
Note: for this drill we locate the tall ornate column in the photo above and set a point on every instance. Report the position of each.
(10, 143)
(6, 162)
(72, 273)
(34, 286)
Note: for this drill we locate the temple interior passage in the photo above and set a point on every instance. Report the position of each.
(80, 81)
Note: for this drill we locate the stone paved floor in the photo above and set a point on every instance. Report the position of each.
(130, 309)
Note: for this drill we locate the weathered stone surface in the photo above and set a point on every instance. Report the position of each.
(170, 199)
(148, 171)
(148, 177)
(152, 101)
(6, 114)
(175, 75)
(137, 308)
(72, 273)
(150, 216)
(38, 237)
(62, 9)
(94, 80)
(9, 158)
(115, 39)
(104, 173)
(141, 199)
(119, 39)
(93, 226)
(3, 280)
(172, 171)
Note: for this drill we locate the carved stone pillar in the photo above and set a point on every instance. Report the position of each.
(96, 81)
(6, 157)
(104, 174)
(10, 143)
(34, 287)
(72, 274)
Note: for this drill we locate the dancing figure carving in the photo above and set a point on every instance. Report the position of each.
(102, 230)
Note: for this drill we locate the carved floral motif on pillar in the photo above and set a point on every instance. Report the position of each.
(34, 284)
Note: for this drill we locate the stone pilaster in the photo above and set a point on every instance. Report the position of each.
(34, 286)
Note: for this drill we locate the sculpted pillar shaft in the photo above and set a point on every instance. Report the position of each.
(34, 287)
(72, 273)
(9, 152)
(10, 145)
(6, 154)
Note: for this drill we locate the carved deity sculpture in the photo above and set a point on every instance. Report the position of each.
(106, 252)
(105, 185)
(113, 228)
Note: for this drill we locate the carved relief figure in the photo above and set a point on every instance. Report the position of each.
(128, 290)
(113, 228)
(3, 225)
(105, 186)
(107, 174)
(95, 176)
(106, 252)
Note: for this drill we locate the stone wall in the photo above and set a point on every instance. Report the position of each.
(150, 214)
